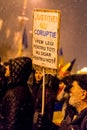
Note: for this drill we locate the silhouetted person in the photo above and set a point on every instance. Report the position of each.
(17, 104)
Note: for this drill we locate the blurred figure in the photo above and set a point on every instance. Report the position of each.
(78, 99)
(38, 76)
(68, 110)
(51, 85)
(35, 83)
(62, 96)
(17, 104)
(64, 111)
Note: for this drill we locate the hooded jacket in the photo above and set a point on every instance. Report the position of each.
(17, 104)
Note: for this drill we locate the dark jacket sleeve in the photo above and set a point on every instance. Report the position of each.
(10, 106)
(49, 103)
(17, 109)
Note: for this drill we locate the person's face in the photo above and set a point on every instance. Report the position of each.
(38, 75)
(76, 94)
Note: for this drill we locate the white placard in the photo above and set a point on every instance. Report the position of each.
(46, 28)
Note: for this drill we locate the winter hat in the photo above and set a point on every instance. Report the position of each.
(20, 69)
(81, 79)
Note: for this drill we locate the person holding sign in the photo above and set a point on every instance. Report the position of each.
(51, 85)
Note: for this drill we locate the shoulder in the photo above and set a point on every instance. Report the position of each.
(84, 123)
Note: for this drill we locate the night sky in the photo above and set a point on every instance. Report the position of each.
(73, 31)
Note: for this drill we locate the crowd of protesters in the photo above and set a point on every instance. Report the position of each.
(21, 98)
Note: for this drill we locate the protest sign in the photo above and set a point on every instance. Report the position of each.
(46, 32)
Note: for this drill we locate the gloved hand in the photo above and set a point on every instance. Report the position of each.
(43, 122)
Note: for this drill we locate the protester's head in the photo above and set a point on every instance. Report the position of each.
(18, 69)
(78, 92)
(38, 75)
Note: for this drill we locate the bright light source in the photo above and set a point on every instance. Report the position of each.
(82, 71)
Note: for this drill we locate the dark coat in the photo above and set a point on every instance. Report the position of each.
(80, 123)
(16, 105)
(16, 109)
(51, 84)
(49, 101)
